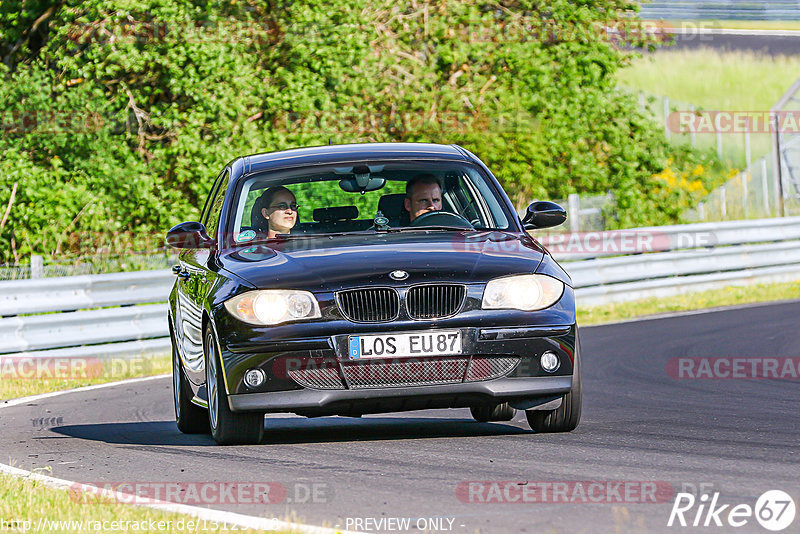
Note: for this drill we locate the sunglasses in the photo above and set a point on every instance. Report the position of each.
(285, 206)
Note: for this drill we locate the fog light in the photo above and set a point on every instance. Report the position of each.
(254, 378)
(550, 362)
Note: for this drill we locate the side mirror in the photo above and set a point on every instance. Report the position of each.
(189, 235)
(544, 214)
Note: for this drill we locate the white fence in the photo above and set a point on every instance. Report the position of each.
(123, 314)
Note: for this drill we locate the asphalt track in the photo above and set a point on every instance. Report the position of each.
(773, 45)
(737, 436)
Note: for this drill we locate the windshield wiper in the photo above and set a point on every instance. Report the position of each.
(326, 234)
(432, 227)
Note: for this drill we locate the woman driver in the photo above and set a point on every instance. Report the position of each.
(275, 211)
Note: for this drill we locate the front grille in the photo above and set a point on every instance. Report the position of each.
(434, 301)
(487, 368)
(317, 378)
(373, 305)
(400, 373)
(370, 374)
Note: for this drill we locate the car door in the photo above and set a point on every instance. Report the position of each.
(194, 282)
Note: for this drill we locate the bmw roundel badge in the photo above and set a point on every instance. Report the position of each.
(398, 275)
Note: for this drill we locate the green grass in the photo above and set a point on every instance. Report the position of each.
(715, 81)
(712, 79)
(30, 500)
(728, 296)
(12, 388)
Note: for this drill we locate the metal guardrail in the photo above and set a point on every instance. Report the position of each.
(579, 246)
(643, 267)
(678, 285)
(57, 330)
(67, 293)
(115, 315)
(721, 10)
(145, 348)
(627, 278)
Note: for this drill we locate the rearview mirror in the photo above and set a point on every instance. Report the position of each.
(189, 235)
(361, 183)
(544, 214)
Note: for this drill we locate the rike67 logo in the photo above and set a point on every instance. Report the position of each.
(774, 510)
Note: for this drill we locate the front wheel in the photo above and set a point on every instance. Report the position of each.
(191, 419)
(500, 412)
(566, 417)
(227, 427)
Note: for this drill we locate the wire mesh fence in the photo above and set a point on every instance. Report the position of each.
(750, 141)
(737, 137)
(41, 268)
(751, 194)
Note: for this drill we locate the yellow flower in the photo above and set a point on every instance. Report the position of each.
(696, 186)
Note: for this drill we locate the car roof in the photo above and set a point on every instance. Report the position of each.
(335, 153)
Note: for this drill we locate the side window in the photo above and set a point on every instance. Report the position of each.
(215, 209)
(210, 197)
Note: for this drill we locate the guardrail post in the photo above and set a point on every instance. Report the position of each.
(574, 213)
(765, 185)
(744, 176)
(722, 206)
(778, 163)
(747, 154)
(37, 267)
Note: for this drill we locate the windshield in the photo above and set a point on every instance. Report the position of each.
(371, 196)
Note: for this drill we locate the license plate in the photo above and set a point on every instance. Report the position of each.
(436, 343)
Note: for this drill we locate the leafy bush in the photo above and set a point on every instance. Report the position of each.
(147, 101)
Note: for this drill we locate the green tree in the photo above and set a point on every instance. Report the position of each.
(117, 115)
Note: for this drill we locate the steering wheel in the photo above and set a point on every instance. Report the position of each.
(441, 218)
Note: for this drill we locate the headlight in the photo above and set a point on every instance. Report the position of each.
(527, 292)
(273, 306)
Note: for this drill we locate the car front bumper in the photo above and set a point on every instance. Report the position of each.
(523, 393)
(508, 358)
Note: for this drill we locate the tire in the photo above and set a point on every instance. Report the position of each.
(500, 412)
(566, 417)
(191, 418)
(227, 427)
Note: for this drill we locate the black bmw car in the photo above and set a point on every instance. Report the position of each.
(370, 278)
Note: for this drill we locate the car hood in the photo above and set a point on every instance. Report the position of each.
(330, 263)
